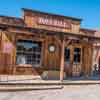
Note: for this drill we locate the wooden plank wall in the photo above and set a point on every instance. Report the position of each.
(87, 59)
(7, 58)
(52, 60)
(1, 61)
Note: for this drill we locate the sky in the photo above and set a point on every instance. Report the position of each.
(87, 10)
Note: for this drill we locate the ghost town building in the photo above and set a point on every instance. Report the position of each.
(47, 45)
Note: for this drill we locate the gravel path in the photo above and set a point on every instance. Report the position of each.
(89, 92)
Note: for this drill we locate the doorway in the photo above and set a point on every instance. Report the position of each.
(73, 60)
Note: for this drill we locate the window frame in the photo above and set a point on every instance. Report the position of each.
(41, 53)
(77, 54)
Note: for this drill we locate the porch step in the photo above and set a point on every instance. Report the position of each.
(17, 87)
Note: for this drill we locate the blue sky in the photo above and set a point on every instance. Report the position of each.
(88, 10)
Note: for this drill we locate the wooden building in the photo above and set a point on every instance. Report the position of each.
(45, 44)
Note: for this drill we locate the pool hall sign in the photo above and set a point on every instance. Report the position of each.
(50, 21)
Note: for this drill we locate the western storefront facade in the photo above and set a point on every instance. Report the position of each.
(46, 45)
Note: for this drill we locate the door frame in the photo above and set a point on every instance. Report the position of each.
(69, 71)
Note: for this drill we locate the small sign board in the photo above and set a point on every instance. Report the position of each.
(7, 47)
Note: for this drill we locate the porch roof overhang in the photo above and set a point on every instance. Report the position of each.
(49, 32)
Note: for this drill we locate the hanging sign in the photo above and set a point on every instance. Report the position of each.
(7, 47)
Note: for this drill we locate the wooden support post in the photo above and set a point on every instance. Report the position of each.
(62, 58)
(62, 61)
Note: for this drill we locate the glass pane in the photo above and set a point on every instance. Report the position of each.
(67, 54)
(21, 59)
(77, 55)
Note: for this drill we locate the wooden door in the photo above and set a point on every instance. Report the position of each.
(77, 60)
(73, 60)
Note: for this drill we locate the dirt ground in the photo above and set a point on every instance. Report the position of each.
(79, 92)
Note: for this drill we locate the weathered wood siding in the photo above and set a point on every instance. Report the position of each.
(87, 59)
(52, 60)
(7, 56)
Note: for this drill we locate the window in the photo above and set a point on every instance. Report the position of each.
(67, 54)
(28, 52)
(77, 55)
